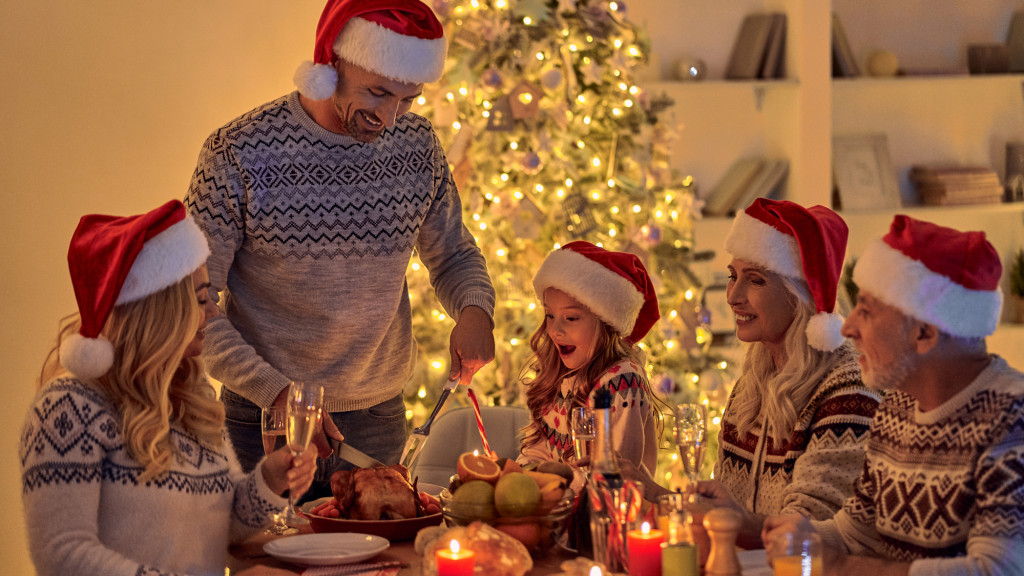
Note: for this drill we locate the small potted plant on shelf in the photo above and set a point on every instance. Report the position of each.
(1017, 283)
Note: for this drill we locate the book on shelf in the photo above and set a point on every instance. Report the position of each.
(956, 185)
(747, 179)
(773, 65)
(760, 34)
(844, 64)
(1015, 41)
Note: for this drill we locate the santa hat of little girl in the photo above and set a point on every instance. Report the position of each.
(120, 259)
(613, 285)
(399, 39)
(805, 243)
(936, 274)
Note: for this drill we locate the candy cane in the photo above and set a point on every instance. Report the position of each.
(480, 422)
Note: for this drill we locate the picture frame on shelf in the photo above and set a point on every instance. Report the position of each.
(863, 174)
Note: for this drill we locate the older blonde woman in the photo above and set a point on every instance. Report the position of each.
(794, 429)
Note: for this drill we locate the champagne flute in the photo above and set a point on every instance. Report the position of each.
(581, 424)
(303, 415)
(274, 426)
(691, 438)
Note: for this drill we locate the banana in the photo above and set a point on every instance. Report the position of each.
(544, 478)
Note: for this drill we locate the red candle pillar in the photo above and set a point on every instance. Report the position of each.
(645, 551)
(455, 562)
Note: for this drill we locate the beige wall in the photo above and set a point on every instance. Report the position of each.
(103, 108)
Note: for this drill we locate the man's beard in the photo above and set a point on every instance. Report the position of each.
(893, 376)
(351, 126)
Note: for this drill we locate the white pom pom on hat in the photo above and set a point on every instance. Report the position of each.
(120, 259)
(797, 242)
(400, 39)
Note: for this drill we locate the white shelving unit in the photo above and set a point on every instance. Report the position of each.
(957, 119)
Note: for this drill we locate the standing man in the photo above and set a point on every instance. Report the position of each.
(314, 204)
(942, 490)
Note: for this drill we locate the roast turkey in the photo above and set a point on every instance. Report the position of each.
(380, 493)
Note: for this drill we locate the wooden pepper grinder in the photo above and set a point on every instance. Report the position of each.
(722, 525)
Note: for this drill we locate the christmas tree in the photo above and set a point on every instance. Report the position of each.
(551, 140)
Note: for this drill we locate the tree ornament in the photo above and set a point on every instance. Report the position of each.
(525, 101)
(532, 163)
(500, 118)
(579, 217)
(492, 78)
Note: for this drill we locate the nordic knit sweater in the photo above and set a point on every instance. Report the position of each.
(814, 472)
(87, 513)
(633, 421)
(943, 488)
(311, 233)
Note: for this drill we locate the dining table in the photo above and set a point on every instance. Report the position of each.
(250, 553)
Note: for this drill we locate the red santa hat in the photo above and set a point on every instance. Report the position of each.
(797, 242)
(613, 285)
(400, 39)
(935, 274)
(120, 259)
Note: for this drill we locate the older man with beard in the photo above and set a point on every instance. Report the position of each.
(942, 491)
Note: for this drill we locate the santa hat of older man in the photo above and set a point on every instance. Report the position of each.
(613, 285)
(399, 39)
(115, 260)
(797, 242)
(935, 274)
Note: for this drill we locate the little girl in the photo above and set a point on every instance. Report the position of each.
(597, 306)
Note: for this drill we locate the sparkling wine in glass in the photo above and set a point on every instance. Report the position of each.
(581, 422)
(274, 426)
(691, 437)
(303, 417)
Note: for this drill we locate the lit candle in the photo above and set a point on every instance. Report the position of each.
(452, 562)
(645, 551)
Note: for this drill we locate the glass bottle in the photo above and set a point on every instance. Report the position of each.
(614, 502)
(679, 555)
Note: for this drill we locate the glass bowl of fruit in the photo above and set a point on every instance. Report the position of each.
(529, 505)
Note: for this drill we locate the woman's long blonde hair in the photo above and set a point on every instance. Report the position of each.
(151, 383)
(780, 393)
(548, 371)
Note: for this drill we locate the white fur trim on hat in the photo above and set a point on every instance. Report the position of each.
(383, 51)
(164, 260)
(612, 297)
(316, 81)
(752, 240)
(910, 286)
(86, 358)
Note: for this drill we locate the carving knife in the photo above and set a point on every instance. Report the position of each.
(419, 435)
(352, 455)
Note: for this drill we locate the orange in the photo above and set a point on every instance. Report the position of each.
(475, 467)
(511, 466)
(528, 533)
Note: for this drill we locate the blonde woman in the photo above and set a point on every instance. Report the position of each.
(794, 429)
(126, 466)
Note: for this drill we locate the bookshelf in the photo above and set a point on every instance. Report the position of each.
(928, 119)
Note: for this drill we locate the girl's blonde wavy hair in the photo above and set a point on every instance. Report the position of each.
(151, 383)
(781, 393)
(549, 371)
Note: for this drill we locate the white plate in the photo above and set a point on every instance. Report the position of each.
(326, 549)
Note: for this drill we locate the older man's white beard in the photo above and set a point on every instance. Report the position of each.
(891, 377)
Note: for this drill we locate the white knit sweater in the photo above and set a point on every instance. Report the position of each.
(87, 514)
